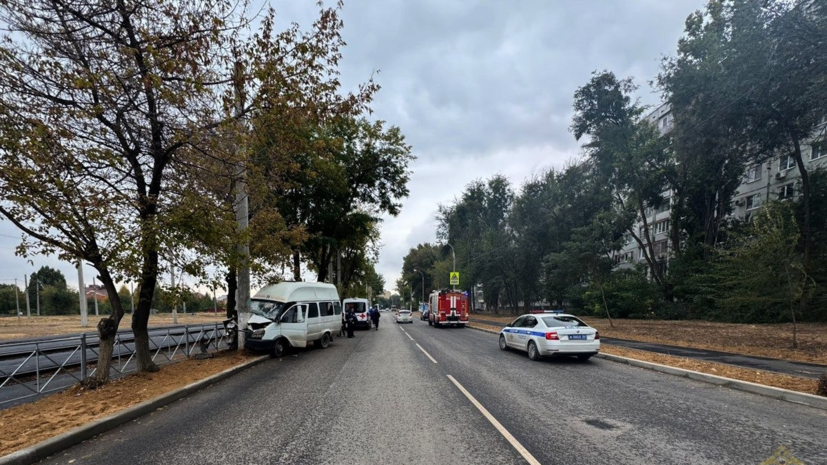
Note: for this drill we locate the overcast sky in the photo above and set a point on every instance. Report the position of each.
(477, 87)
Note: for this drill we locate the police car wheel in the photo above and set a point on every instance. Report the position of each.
(503, 344)
(533, 353)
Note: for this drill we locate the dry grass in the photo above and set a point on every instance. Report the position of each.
(11, 328)
(793, 383)
(771, 340)
(64, 411)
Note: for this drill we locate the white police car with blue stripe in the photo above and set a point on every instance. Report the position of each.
(551, 333)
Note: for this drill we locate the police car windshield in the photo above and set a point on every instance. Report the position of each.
(555, 321)
(266, 308)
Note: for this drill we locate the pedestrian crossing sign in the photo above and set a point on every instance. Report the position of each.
(455, 278)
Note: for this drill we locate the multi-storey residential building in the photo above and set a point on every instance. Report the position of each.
(777, 178)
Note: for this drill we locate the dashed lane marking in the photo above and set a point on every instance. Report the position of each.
(511, 439)
(426, 353)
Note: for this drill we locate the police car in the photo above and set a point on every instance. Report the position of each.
(550, 333)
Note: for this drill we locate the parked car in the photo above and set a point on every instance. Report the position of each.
(550, 333)
(404, 316)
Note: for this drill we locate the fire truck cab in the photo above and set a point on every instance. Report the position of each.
(448, 307)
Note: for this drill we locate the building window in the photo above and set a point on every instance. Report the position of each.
(786, 192)
(660, 249)
(754, 173)
(818, 151)
(786, 162)
(753, 201)
(660, 227)
(664, 122)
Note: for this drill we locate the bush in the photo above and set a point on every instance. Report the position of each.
(628, 293)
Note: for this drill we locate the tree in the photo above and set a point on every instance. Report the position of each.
(588, 256)
(105, 107)
(355, 171)
(45, 276)
(762, 274)
(628, 154)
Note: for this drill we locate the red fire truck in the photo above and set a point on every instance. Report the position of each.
(448, 307)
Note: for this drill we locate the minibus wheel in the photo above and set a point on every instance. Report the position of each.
(325, 341)
(279, 347)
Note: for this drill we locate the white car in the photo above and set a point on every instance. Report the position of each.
(404, 316)
(550, 333)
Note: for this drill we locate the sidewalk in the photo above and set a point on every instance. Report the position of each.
(800, 369)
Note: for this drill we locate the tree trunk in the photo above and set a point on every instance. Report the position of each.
(806, 231)
(605, 305)
(140, 319)
(232, 287)
(107, 330)
(805, 195)
(297, 268)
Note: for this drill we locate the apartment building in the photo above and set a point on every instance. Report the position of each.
(777, 178)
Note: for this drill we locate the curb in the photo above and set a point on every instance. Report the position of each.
(786, 395)
(56, 444)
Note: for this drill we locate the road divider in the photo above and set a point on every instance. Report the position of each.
(508, 436)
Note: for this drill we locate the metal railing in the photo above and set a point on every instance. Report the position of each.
(33, 368)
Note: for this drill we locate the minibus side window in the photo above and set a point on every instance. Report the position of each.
(293, 315)
(337, 307)
(313, 310)
(327, 308)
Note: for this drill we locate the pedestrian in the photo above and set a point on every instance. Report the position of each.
(350, 322)
(374, 316)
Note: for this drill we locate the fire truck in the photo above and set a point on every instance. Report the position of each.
(448, 307)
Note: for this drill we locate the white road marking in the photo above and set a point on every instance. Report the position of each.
(511, 439)
(426, 353)
(409, 336)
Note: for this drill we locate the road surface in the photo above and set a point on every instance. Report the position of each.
(421, 395)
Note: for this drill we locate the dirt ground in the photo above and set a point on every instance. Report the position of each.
(11, 328)
(64, 411)
(773, 341)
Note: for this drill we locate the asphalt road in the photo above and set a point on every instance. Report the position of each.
(379, 398)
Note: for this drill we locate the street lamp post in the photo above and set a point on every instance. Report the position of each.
(423, 285)
(454, 267)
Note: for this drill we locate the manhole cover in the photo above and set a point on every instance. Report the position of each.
(600, 424)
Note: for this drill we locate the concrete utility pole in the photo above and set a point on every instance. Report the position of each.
(37, 295)
(26, 287)
(82, 295)
(95, 287)
(241, 212)
(214, 302)
(17, 300)
(174, 307)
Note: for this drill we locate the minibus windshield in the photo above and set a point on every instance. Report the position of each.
(266, 308)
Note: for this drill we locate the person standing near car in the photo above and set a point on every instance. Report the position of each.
(374, 316)
(350, 322)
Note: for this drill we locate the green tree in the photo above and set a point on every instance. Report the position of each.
(761, 274)
(628, 154)
(45, 276)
